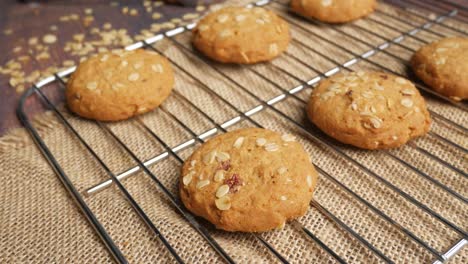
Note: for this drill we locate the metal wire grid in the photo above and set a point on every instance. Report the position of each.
(262, 105)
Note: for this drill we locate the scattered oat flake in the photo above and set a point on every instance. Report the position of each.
(187, 178)
(271, 147)
(91, 85)
(104, 58)
(133, 12)
(378, 87)
(222, 190)
(222, 18)
(367, 94)
(309, 180)
(168, 25)
(190, 16)
(222, 156)
(400, 80)
(360, 73)
(33, 41)
(49, 39)
(240, 18)
(273, 49)
(13, 82)
(209, 157)
(68, 63)
(406, 102)
(78, 37)
(288, 137)
(283, 198)
(408, 92)
(441, 61)
(64, 18)
(203, 183)
(87, 20)
(8, 31)
(142, 109)
(43, 56)
(155, 27)
(225, 33)
(223, 203)
(133, 76)
(74, 17)
(156, 15)
(238, 143)
(261, 142)
(219, 176)
(203, 27)
(157, 68)
(117, 86)
(20, 88)
(200, 8)
(376, 122)
(326, 2)
(107, 26)
(258, 10)
(282, 170)
(176, 20)
(138, 65)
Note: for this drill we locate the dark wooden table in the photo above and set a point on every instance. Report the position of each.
(22, 20)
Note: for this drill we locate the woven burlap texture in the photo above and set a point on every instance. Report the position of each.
(39, 222)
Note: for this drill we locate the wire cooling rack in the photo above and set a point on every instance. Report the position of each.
(415, 24)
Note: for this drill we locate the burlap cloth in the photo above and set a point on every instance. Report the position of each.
(40, 223)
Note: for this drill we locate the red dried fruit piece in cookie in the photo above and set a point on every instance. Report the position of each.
(234, 183)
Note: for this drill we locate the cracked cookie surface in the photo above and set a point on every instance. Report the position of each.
(334, 11)
(370, 110)
(249, 180)
(443, 65)
(117, 85)
(241, 35)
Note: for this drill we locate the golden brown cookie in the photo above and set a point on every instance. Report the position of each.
(443, 65)
(120, 84)
(249, 180)
(241, 35)
(370, 110)
(334, 11)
